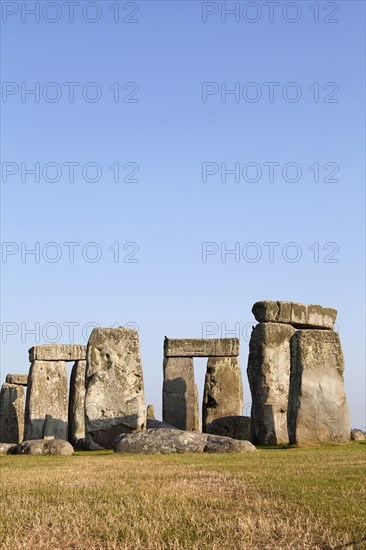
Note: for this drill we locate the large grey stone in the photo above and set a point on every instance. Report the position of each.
(58, 352)
(156, 441)
(46, 394)
(223, 391)
(8, 448)
(21, 379)
(236, 427)
(201, 347)
(358, 435)
(318, 410)
(180, 396)
(45, 447)
(77, 402)
(297, 315)
(11, 413)
(269, 364)
(114, 399)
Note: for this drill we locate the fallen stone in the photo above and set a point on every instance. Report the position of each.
(180, 395)
(223, 391)
(21, 379)
(201, 347)
(318, 410)
(297, 315)
(58, 352)
(158, 424)
(46, 394)
(358, 435)
(11, 413)
(150, 413)
(269, 365)
(87, 444)
(114, 398)
(76, 419)
(157, 441)
(235, 427)
(8, 448)
(45, 447)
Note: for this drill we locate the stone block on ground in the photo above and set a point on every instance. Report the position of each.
(358, 435)
(114, 398)
(45, 447)
(76, 422)
(318, 411)
(236, 427)
(11, 413)
(58, 352)
(295, 314)
(8, 448)
(201, 347)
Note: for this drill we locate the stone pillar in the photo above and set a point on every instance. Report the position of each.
(223, 392)
(77, 402)
(11, 413)
(150, 413)
(114, 398)
(269, 379)
(180, 396)
(318, 410)
(46, 394)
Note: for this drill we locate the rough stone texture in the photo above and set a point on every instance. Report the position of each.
(357, 435)
(45, 447)
(11, 413)
(8, 448)
(77, 402)
(48, 428)
(269, 364)
(46, 394)
(150, 415)
(201, 347)
(223, 391)
(236, 427)
(21, 379)
(87, 444)
(158, 424)
(318, 410)
(156, 441)
(297, 315)
(114, 399)
(180, 395)
(58, 352)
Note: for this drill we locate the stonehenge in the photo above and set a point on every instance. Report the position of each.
(295, 373)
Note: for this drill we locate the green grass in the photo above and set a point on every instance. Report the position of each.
(276, 498)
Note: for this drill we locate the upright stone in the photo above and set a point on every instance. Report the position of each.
(114, 398)
(46, 394)
(77, 402)
(11, 413)
(318, 410)
(180, 396)
(223, 392)
(150, 413)
(268, 371)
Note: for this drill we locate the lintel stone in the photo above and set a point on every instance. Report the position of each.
(58, 352)
(20, 379)
(201, 347)
(297, 315)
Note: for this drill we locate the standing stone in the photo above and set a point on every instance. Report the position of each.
(46, 394)
(318, 410)
(223, 392)
(150, 415)
(48, 428)
(180, 395)
(11, 413)
(114, 398)
(268, 371)
(77, 402)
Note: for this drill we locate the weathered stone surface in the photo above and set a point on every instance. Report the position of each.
(180, 396)
(114, 399)
(8, 448)
(87, 444)
(11, 413)
(48, 428)
(357, 435)
(158, 424)
(157, 441)
(45, 447)
(236, 427)
(150, 414)
(201, 347)
(58, 352)
(21, 379)
(318, 410)
(223, 391)
(46, 394)
(77, 402)
(269, 364)
(297, 315)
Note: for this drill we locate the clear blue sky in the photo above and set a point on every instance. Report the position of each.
(161, 131)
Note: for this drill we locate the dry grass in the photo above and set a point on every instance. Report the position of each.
(273, 499)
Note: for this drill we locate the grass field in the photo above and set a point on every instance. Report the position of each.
(272, 499)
